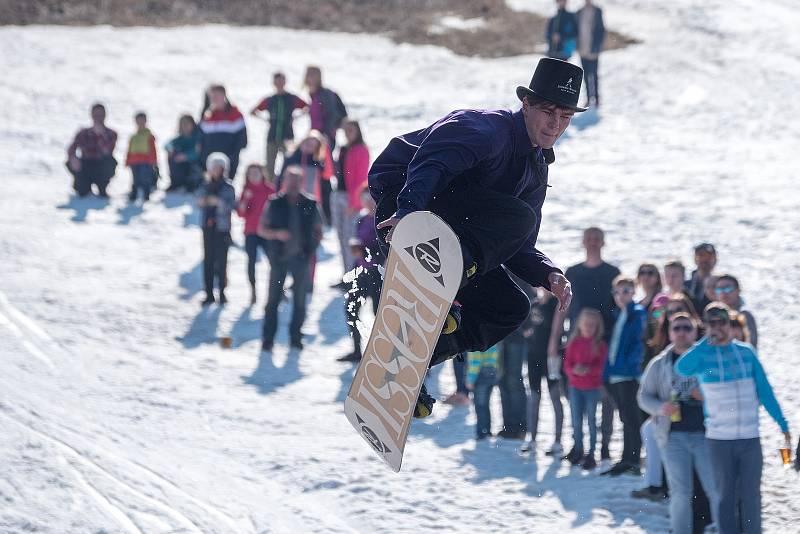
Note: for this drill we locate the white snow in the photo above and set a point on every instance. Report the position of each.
(120, 412)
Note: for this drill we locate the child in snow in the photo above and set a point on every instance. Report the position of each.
(142, 159)
(483, 369)
(255, 196)
(222, 128)
(216, 199)
(584, 361)
(184, 156)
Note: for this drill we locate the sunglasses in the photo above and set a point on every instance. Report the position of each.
(716, 323)
(658, 313)
(724, 289)
(623, 291)
(673, 311)
(648, 272)
(682, 328)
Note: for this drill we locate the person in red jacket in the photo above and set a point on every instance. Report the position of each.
(583, 364)
(222, 128)
(351, 178)
(142, 159)
(258, 189)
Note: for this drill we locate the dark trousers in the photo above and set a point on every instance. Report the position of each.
(367, 284)
(590, 75)
(624, 394)
(94, 171)
(215, 259)
(607, 418)
(298, 267)
(252, 242)
(460, 371)
(537, 370)
(512, 388)
(481, 394)
(737, 466)
(491, 228)
(143, 177)
(184, 174)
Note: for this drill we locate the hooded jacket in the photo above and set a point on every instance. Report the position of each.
(627, 361)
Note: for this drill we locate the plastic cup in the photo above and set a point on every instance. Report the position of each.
(226, 342)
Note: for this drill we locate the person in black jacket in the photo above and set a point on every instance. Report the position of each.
(222, 128)
(562, 33)
(292, 225)
(591, 34)
(326, 110)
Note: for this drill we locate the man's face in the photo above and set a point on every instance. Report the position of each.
(593, 241)
(279, 82)
(727, 292)
(682, 333)
(705, 260)
(293, 182)
(561, 4)
(141, 122)
(98, 115)
(718, 329)
(623, 295)
(673, 276)
(545, 124)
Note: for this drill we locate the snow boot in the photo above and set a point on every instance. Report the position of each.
(424, 405)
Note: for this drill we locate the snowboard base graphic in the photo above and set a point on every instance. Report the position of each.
(422, 277)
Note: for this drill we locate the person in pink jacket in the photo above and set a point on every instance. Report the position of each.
(254, 199)
(583, 364)
(351, 178)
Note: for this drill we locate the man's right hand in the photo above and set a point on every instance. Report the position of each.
(389, 223)
(75, 164)
(668, 408)
(282, 235)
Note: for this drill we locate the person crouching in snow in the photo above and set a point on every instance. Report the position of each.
(216, 199)
(255, 196)
(485, 173)
(142, 159)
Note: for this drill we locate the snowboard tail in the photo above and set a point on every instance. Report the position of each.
(423, 274)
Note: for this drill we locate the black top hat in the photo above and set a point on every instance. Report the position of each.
(556, 81)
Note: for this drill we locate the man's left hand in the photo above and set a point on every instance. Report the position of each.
(561, 289)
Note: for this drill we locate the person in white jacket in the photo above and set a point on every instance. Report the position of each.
(676, 408)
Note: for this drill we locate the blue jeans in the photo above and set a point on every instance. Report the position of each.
(583, 403)
(252, 242)
(460, 370)
(512, 388)
(685, 452)
(143, 175)
(737, 463)
(482, 392)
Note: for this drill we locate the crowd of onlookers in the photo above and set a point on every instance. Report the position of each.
(284, 207)
(674, 356)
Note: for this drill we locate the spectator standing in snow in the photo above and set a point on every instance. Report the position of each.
(591, 34)
(733, 385)
(90, 157)
(705, 258)
(591, 288)
(367, 279)
(183, 156)
(649, 281)
(217, 200)
(675, 407)
(293, 227)
(256, 194)
(562, 33)
(675, 277)
(543, 312)
(142, 159)
(311, 157)
(222, 128)
(351, 178)
(727, 290)
(326, 110)
(622, 371)
(482, 371)
(513, 352)
(584, 361)
(280, 108)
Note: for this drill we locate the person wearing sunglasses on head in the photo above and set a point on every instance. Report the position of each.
(622, 371)
(734, 385)
(675, 407)
(727, 290)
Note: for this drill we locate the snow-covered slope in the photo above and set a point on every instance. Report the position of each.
(119, 412)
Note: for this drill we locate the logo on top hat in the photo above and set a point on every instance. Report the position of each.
(567, 87)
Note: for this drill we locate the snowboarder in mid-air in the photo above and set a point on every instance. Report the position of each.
(484, 172)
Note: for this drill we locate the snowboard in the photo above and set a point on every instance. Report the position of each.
(422, 276)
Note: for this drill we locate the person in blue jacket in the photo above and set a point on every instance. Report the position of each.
(623, 369)
(485, 173)
(562, 32)
(734, 385)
